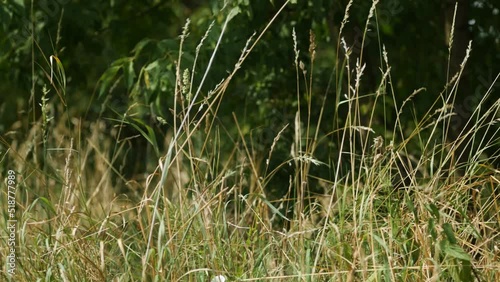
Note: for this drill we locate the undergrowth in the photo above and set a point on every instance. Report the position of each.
(400, 205)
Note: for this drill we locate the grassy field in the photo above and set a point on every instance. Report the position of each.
(400, 205)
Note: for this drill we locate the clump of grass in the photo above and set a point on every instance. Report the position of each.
(392, 210)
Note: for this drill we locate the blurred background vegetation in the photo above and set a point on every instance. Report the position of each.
(119, 58)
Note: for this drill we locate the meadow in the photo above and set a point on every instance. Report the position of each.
(394, 203)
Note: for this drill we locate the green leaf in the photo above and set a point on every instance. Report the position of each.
(455, 251)
(139, 46)
(46, 204)
(434, 210)
(466, 272)
(107, 79)
(233, 13)
(168, 46)
(151, 75)
(448, 231)
(381, 242)
(129, 74)
(59, 74)
(150, 135)
(152, 66)
(62, 75)
(5, 17)
(432, 228)
(19, 3)
(271, 206)
(167, 79)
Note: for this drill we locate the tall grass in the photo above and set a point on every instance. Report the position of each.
(398, 207)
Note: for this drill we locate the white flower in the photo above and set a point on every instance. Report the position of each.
(218, 278)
